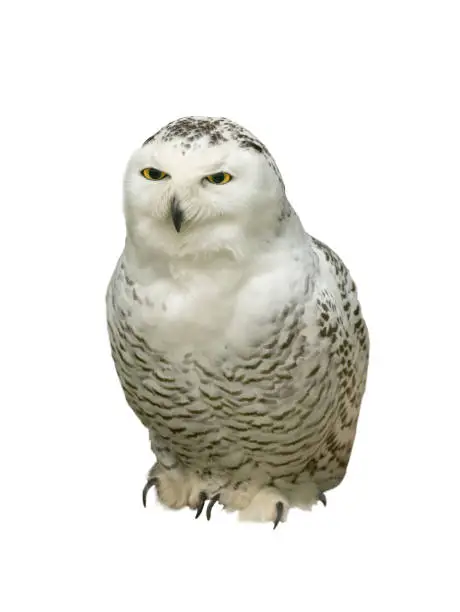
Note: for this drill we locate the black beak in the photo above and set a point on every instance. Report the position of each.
(177, 214)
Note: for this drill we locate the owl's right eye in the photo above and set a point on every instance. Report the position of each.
(152, 174)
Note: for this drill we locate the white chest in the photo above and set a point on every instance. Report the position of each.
(188, 310)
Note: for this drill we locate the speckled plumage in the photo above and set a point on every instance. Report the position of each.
(239, 343)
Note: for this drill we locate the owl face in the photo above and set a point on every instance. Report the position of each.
(200, 183)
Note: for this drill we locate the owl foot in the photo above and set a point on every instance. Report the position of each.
(210, 506)
(304, 494)
(148, 485)
(173, 486)
(178, 487)
(270, 503)
(202, 500)
(280, 508)
(267, 505)
(279, 514)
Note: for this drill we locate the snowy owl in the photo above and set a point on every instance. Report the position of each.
(237, 337)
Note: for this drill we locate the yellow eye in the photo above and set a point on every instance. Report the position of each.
(153, 174)
(220, 178)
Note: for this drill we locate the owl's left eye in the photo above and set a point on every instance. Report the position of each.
(220, 178)
(152, 174)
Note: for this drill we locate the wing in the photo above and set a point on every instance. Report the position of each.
(341, 370)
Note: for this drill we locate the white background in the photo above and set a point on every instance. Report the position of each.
(359, 103)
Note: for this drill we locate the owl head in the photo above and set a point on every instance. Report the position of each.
(202, 185)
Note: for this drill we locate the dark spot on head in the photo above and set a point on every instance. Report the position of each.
(255, 146)
(250, 144)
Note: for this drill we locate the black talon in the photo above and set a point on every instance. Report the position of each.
(322, 498)
(211, 506)
(149, 484)
(201, 502)
(279, 514)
